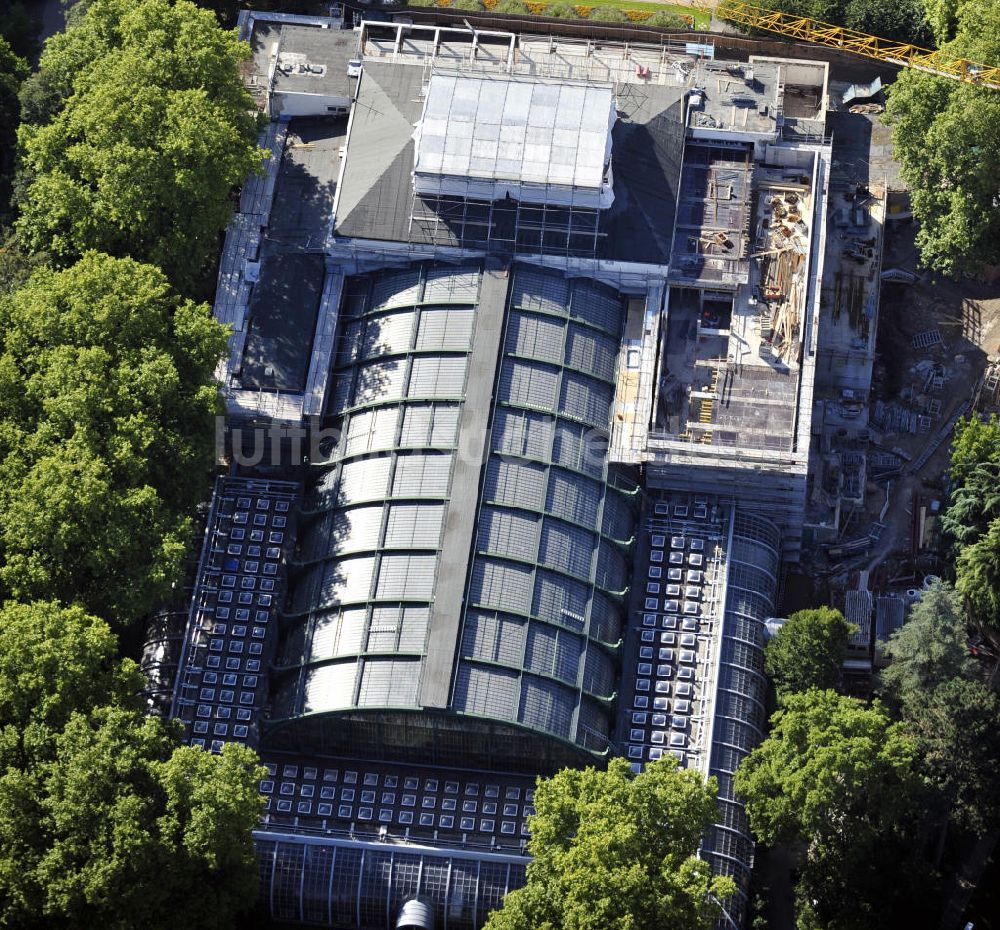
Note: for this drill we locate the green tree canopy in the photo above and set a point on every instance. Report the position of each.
(974, 442)
(929, 649)
(13, 70)
(947, 139)
(838, 778)
(138, 128)
(808, 651)
(19, 28)
(54, 661)
(107, 405)
(951, 715)
(105, 820)
(977, 578)
(956, 731)
(829, 760)
(905, 20)
(613, 851)
(973, 517)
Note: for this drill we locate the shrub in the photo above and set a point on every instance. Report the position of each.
(469, 6)
(608, 14)
(515, 7)
(667, 20)
(563, 11)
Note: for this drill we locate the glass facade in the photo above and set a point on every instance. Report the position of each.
(740, 715)
(361, 886)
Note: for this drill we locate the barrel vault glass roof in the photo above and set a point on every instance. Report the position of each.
(544, 606)
(371, 529)
(540, 132)
(545, 587)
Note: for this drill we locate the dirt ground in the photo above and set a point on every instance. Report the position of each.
(966, 314)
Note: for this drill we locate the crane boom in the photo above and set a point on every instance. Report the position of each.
(860, 43)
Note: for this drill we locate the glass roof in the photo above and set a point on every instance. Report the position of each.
(515, 130)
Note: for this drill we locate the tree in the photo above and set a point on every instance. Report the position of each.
(952, 717)
(19, 28)
(975, 442)
(956, 729)
(13, 70)
(829, 760)
(17, 264)
(107, 407)
(942, 18)
(878, 879)
(105, 820)
(838, 778)
(947, 139)
(977, 578)
(151, 129)
(54, 661)
(905, 20)
(973, 517)
(612, 851)
(974, 505)
(808, 651)
(929, 649)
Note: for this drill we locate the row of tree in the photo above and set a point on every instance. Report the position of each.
(972, 519)
(868, 794)
(946, 137)
(903, 20)
(105, 820)
(134, 130)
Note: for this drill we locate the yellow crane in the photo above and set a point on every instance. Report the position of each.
(860, 43)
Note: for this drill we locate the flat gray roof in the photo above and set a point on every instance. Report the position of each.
(306, 184)
(311, 59)
(282, 320)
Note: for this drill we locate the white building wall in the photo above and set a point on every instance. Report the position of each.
(285, 103)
